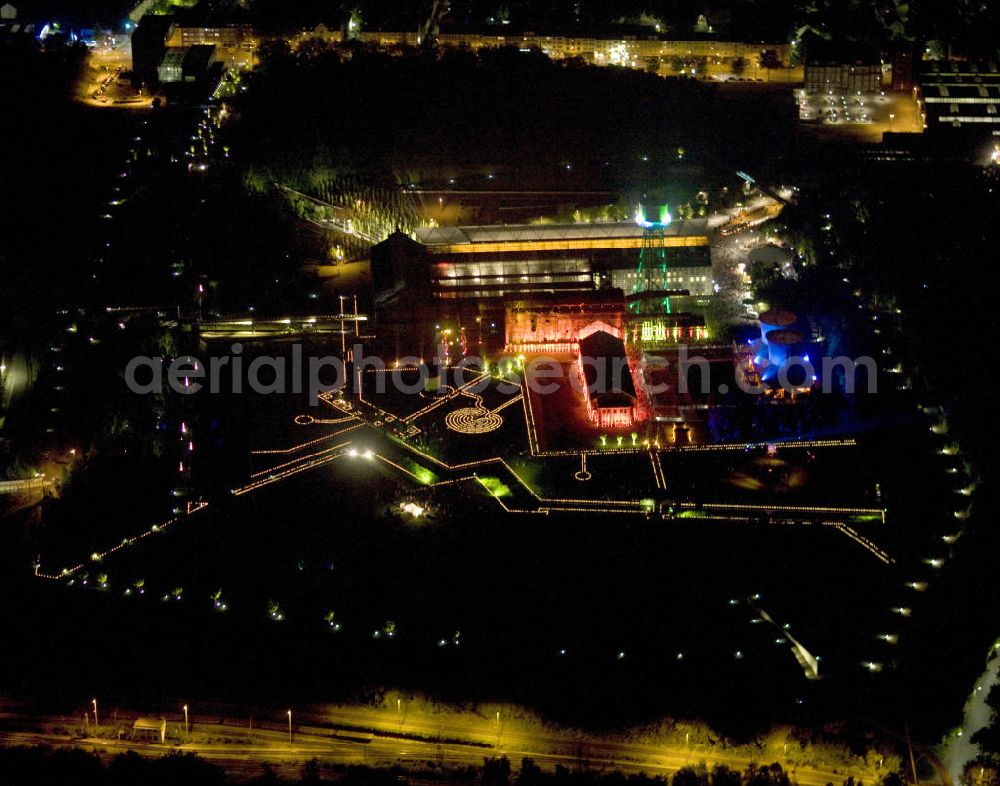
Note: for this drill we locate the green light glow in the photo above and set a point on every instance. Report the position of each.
(495, 487)
(661, 213)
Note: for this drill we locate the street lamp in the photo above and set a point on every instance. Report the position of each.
(289, 727)
(343, 339)
(187, 727)
(96, 721)
(891, 118)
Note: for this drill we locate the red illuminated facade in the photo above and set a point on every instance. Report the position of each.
(553, 324)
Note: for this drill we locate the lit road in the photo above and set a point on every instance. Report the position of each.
(255, 327)
(98, 85)
(17, 377)
(382, 737)
(553, 747)
(21, 486)
(960, 751)
(759, 208)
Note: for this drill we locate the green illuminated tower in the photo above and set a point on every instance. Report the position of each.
(652, 271)
(651, 274)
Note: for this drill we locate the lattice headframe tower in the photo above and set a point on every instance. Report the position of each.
(651, 274)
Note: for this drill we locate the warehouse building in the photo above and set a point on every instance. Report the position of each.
(486, 262)
(960, 96)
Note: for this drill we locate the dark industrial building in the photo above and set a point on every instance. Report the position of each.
(841, 68)
(456, 263)
(904, 74)
(610, 390)
(149, 46)
(466, 275)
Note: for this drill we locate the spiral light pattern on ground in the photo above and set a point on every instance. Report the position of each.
(473, 420)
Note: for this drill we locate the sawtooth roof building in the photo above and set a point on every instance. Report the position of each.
(960, 96)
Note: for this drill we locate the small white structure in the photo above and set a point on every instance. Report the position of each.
(150, 730)
(8, 12)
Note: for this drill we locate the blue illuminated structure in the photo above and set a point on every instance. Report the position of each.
(775, 319)
(782, 345)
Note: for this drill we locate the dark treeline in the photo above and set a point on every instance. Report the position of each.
(42, 765)
(59, 163)
(49, 147)
(516, 113)
(988, 739)
(77, 13)
(915, 241)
